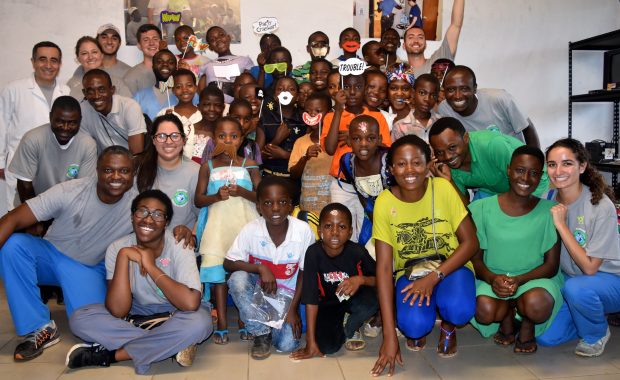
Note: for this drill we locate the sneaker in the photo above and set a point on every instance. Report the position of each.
(262, 347)
(594, 349)
(185, 357)
(87, 355)
(34, 343)
(356, 342)
(371, 331)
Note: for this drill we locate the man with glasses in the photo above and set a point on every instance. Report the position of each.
(111, 119)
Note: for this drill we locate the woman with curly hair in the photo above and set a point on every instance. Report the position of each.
(586, 220)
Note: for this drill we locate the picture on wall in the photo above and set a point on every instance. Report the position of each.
(373, 17)
(169, 14)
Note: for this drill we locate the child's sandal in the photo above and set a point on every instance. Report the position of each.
(447, 343)
(220, 337)
(245, 335)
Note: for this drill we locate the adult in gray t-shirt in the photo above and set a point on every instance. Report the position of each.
(139, 77)
(43, 162)
(180, 185)
(89, 213)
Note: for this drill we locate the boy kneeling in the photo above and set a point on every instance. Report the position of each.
(339, 278)
(271, 250)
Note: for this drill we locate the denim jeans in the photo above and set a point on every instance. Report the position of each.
(241, 287)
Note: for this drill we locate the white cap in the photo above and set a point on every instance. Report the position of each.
(105, 27)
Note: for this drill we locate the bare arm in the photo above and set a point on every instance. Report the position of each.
(531, 136)
(456, 23)
(25, 190)
(181, 296)
(118, 298)
(16, 219)
(136, 143)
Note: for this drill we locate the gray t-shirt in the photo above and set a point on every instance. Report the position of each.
(495, 107)
(76, 87)
(595, 227)
(139, 77)
(83, 226)
(177, 262)
(41, 160)
(48, 92)
(124, 120)
(442, 52)
(180, 185)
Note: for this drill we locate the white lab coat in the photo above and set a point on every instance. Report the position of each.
(22, 108)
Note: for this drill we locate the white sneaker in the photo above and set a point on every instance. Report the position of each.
(371, 331)
(595, 349)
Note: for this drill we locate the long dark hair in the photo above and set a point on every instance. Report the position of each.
(590, 177)
(147, 167)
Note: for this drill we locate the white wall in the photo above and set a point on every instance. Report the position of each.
(517, 45)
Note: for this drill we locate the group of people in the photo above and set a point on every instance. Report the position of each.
(378, 202)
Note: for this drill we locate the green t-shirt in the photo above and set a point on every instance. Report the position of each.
(491, 152)
(408, 227)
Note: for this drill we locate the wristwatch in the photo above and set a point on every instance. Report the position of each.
(440, 275)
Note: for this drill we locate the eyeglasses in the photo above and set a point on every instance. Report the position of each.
(271, 67)
(163, 137)
(156, 215)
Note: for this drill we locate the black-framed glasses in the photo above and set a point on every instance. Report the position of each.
(156, 215)
(163, 137)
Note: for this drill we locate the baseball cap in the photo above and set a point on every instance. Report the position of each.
(105, 27)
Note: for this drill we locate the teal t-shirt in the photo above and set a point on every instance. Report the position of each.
(490, 156)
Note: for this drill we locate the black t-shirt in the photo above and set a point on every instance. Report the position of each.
(323, 274)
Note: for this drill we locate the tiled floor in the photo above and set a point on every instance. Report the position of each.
(477, 359)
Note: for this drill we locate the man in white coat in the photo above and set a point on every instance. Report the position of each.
(25, 104)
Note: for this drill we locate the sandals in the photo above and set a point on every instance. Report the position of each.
(220, 337)
(355, 343)
(446, 348)
(416, 344)
(245, 335)
(525, 348)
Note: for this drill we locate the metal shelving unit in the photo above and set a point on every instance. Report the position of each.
(603, 42)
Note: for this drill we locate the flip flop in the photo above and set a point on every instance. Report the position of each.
(220, 337)
(525, 348)
(447, 344)
(245, 335)
(416, 344)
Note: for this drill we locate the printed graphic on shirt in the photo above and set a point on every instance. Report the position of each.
(181, 197)
(417, 238)
(73, 170)
(335, 277)
(581, 236)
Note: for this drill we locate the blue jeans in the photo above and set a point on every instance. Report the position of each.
(586, 301)
(27, 261)
(455, 296)
(241, 287)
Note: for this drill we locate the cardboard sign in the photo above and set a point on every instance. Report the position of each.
(352, 66)
(265, 25)
(227, 71)
(311, 120)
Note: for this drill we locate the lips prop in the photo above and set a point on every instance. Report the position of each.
(311, 120)
(351, 46)
(285, 98)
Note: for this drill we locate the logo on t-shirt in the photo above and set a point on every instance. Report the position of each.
(335, 277)
(581, 236)
(180, 197)
(72, 171)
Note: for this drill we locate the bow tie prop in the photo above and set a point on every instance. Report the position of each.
(165, 87)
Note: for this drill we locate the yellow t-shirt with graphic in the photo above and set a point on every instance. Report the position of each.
(407, 226)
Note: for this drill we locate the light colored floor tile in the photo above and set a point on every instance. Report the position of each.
(205, 367)
(38, 371)
(356, 366)
(285, 368)
(478, 362)
(553, 362)
(115, 371)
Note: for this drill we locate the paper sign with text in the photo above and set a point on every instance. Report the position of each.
(352, 66)
(265, 25)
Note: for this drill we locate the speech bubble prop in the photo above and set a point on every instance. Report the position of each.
(265, 25)
(227, 71)
(311, 120)
(352, 66)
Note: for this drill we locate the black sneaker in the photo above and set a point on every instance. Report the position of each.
(87, 355)
(262, 347)
(36, 342)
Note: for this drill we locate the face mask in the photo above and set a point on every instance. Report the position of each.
(319, 52)
(271, 67)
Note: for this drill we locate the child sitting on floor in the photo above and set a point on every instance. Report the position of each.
(339, 277)
(226, 186)
(270, 250)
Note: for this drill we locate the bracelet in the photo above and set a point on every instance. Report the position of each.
(158, 277)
